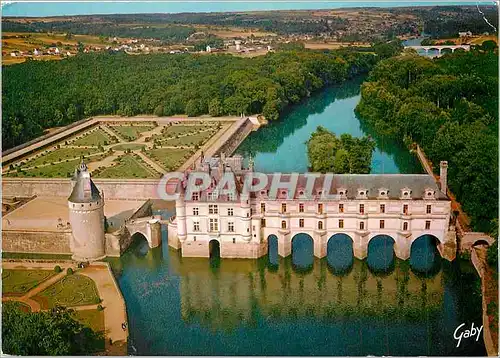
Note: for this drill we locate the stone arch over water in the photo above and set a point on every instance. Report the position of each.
(381, 256)
(340, 253)
(139, 243)
(302, 252)
(424, 255)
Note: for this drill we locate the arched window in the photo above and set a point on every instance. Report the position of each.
(283, 224)
(320, 225)
(405, 226)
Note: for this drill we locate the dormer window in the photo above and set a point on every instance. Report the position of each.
(429, 193)
(383, 193)
(342, 191)
(362, 193)
(406, 193)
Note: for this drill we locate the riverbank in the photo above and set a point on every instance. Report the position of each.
(489, 294)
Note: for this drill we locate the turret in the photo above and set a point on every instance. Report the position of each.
(86, 215)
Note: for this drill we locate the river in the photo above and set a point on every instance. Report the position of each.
(301, 305)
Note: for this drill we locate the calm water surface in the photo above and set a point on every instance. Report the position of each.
(281, 146)
(301, 305)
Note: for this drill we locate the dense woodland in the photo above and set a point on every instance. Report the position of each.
(53, 332)
(328, 153)
(43, 94)
(449, 106)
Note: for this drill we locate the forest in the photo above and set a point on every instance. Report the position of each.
(43, 94)
(328, 153)
(449, 106)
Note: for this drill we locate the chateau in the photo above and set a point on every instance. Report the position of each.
(402, 206)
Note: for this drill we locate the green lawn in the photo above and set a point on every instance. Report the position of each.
(127, 166)
(190, 140)
(60, 154)
(128, 146)
(91, 318)
(170, 159)
(95, 138)
(59, 170)
(131, 132)
(19, 282)
(175, 130)
(72, 290)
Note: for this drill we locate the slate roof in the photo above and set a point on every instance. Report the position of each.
(82, 181)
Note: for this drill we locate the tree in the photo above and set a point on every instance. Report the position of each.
(215, 107)
(346, 154)
(53, 332)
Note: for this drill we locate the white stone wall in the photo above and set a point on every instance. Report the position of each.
(250, 239)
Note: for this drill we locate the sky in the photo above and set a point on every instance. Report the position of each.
(61, 8)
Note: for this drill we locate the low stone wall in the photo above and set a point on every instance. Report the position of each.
(479, 265)
(133, 189)
(236, 138)
(44, 242)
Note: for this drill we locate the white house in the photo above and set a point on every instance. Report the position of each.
(402, 206)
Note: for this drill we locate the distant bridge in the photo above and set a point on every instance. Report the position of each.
(439, 48)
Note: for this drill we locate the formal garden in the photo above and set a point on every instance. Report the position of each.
(141, 150)
(57, 297)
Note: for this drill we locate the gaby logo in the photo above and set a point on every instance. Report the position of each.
(461, 333)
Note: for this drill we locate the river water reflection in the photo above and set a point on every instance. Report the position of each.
(335, 306)
(301, 305)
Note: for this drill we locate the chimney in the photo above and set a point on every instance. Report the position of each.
(443, 175)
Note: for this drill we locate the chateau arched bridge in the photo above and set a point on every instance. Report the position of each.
(439, 48)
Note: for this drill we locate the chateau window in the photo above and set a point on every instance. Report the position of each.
(230, 226)
(320, 208)
(283, 224)
(361, 208)
(382, 208)
(405, 226)
(194, 238)
(251, 211)
(301, 208)
(362, 225)
(283, 208)
(195, 196)
(405, 209)
(427, 225)
(230, 212)
(263, 222)
(382, 224)
(428, 209)
(196, 226)
(341, 208)
(262, 207)
(213, 209)
(341, 224)
(234, 240)
(214, 225)
(301, 222)
(320, 225)
(212, 195)
(195, 212)
(230, 196)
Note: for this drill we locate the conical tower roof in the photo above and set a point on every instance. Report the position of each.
(84, 190)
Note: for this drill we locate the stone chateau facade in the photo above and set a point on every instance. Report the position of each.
(402, 206)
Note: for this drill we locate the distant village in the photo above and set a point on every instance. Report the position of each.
(138, 46)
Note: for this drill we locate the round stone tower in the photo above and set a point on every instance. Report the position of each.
(86, 215)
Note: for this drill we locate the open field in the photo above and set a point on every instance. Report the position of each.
(91, 318)
(128, 166)
(95, 138)
(169, 158)
(119, 149)
(72, 290)
(130, 133)
(19, 282)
